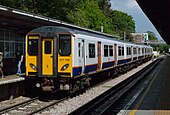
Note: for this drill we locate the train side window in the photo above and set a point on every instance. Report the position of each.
(105, 50)
(79, 49)
(48, 47)
(134, 51)
(111, 50)
(138, 50)
(122, 51)
(127, 50)
(119, 51)
(142, 50)
(91, 50)
(64, 44)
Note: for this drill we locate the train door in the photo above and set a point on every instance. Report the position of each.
(99, 55)
(47, 56)
(81, 54)
(115, 54)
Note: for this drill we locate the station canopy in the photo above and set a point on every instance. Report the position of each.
(23, 22)
(158, 13)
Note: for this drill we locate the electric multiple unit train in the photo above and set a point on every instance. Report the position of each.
(61, 58)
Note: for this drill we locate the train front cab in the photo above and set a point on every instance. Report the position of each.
(49, 60)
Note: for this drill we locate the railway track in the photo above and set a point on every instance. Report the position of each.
(100, 104)
(30, 107)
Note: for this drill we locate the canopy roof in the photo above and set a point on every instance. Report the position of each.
(158, 12)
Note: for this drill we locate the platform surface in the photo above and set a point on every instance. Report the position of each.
(11, 79)
(155, 100)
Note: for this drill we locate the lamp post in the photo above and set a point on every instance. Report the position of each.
(101, 28)
(124, 36)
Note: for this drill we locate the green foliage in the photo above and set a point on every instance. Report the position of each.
(54, 8)
(122, 22)
(163, 48)
(151, 36)
(11, 3)
(89, 15)
(105, 6)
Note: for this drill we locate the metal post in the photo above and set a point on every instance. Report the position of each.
(124, 36)
(101, 28)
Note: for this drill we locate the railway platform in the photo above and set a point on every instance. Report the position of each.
(11, 79)
(11, 86)
(155, 99)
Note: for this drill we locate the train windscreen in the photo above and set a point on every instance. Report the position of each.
(64, 44)
(32, 46)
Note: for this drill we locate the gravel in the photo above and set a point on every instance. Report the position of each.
(11, 101)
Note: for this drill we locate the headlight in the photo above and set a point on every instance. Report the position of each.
(33, 66)
(64, 67)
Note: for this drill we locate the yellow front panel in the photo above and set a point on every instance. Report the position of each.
(33, 60)
(47, 56)
(30, 59)
(63, 60)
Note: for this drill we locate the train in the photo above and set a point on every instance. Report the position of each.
(66, 59)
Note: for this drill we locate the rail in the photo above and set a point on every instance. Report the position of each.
(101, 103)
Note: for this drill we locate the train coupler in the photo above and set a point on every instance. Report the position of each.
(48, 88)
(47, 85)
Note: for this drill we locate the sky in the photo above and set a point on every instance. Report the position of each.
(131, 7)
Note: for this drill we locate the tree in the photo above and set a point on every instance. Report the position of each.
(151, 35)
(122, 22)
(89, 15)
(163, 48)
(54, 9)
(105, 6)
(11, 3)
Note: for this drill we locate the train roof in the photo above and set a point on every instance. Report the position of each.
(58, 29)
(73, 31)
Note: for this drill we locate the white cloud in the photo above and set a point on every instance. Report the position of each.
(131, 4)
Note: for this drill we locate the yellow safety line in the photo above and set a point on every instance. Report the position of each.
(132, 112)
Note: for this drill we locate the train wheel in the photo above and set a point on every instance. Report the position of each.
(75, 87)
(115, 74)
(125, 68)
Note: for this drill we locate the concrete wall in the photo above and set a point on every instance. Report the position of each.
(11, 90)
